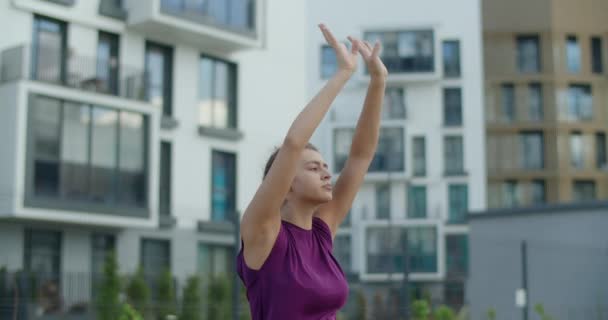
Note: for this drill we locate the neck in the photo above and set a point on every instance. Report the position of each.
(299, 213)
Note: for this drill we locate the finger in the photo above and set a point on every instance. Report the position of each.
(329, 37)
(355, 45)
(369, 47)
(376, 50)
(365, 52)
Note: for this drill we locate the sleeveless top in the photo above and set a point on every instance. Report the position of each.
(300, 279)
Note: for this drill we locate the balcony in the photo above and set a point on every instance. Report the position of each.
(80, 72)
(225, 25)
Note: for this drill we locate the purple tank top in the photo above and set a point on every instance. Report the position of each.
(300, 279)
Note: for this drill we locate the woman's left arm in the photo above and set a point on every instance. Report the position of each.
(364, 142)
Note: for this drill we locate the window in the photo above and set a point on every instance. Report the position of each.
(329, 62)
(573, 54)
(459, 203)
(217, 93)
(597, 62)
(342, 140)
(389, 154)
(85, 153)
(384, 250)
(42, 254)
(108, 62)
(383, 201)
(164, 190)
(223, 186)
(508, 102)
(528, 54)
(580, 102)
(531, 150)
(159, 77)
(422, 249)
(419, 152)
(600, 150)
(49, 44)
(453, 155)
(511, 194)
(538, 195)
(236, 15)
(155, 257)
(342, 251)
(451, 58)
(406, 51)
(583, 190)
(577, 159)
(214, 259)
(457, 255)
(416, 202)
(452, 106)
(535, 102)
(394, 104)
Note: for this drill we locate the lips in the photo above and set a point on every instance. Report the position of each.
(327, 187)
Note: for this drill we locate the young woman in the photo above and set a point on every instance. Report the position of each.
(287, 230)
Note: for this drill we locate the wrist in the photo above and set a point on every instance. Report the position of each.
(344, 73)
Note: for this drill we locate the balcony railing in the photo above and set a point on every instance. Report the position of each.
(73, 71)
(234, 15)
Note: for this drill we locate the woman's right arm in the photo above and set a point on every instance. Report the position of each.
(261, 220)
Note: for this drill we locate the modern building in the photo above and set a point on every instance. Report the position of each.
(552, 255)
(139, 127)
(428, 170)
(545, 101)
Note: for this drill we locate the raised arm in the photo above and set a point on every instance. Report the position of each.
(261, 220)
(364, 141)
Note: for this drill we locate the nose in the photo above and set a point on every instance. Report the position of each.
(326, 175)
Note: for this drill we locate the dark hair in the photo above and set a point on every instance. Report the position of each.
(270, 161)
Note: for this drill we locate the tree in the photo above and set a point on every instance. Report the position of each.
(361, 306)
(191, 301)
(166, 296)
(138, 293)
(128, 313)
(108, 288)
(491, 314)
(420, 310)
(540, 310)
(219, 298)
(444, 313)
(245, 312)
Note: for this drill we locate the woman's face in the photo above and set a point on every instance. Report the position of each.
(312, 182)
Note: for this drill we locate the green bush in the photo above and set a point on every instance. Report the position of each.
(420, 310)
(444, 313)
(540, 310)
(219, 298)
(166, 296)
(191, 300)
(491, 314)
(108, 289)
(138, 293)
(245, 311)
(128, 313)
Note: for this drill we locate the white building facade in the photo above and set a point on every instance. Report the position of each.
(428, 170)
(140, 127)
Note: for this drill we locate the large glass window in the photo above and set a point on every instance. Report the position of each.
(457, 255)
(88, 153)
(531, 150)
(406, 51)
(223, 186)
(394, 104)
(214, 260)
(42, 253)
(217, 93)
(458, 195)
(453, 155)
(385, 249)
(49, 44)
(452, 106)
(451, 58)
(573, 54)
(234, 14)
(389, 154)
(597, 56)
(155, 257)
(416, 202)
(422, 249)
(528, 54)
(159, 77)
(580, 102)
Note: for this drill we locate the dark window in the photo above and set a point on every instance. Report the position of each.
(457, 255)
(577, 150)
(108, 62)
(159, 76)
(217, 93)
(383, 201)
(103, 245)
(329, 62)
(458, 202)
(389, 154)
(531, 150)
(49, 45)
(223, 186)
(528, 54)
(406, 51)
(453, 155)
(164, 197)
(214, 260)
(583, 190)
(597, 57)
(511, 194)
(394, 104)
(600, 150)
(452, 106)
(419, 152)
(580, 102)
(451, 58)
(508, 102)
(104, 155)
(422, 249)
(235, 14)
(539, 193)
(155, 257)
(416, 202)
(42, 254)
(342, 251)
(45, 127)
(132, 159)
(535, 102)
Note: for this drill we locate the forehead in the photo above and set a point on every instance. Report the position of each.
(311, 155)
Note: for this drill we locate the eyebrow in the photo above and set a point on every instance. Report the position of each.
(318, 163)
